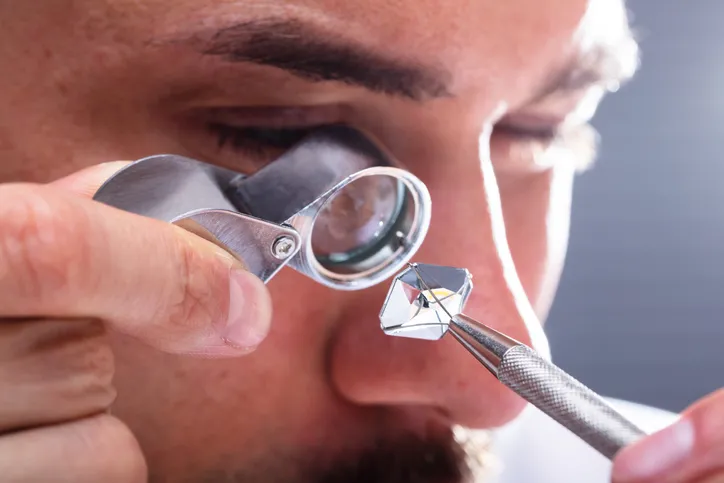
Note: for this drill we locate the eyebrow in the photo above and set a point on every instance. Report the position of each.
(607, 63)
(312, 55)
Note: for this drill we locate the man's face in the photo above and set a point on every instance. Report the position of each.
(468, 95)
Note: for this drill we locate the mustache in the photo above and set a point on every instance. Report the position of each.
(460, 458)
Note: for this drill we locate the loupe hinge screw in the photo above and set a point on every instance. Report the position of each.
(283, 247)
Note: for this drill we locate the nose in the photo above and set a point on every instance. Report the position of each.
(467, 230)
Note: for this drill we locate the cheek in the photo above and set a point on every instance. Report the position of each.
(536, 209)
(205, 409)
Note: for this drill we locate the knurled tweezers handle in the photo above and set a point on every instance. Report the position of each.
(566, 400)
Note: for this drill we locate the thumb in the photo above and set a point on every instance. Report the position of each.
(207, 268)
(87, 181)
(691, 449)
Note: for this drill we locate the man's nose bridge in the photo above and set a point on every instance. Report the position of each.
(468, 231)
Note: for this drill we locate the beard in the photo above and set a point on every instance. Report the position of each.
(462, 457)
(407, 459)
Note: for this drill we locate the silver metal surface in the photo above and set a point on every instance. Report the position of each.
(281, 201)
(249, 239)
(284, 247)
(189, 193)
(567, 401)
(517, 366)
(487, 345)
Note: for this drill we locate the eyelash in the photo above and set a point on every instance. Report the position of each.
(543, 134)
(258, 140)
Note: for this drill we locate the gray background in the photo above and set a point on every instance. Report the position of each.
(640, 311)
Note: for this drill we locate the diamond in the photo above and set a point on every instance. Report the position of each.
(412, 309)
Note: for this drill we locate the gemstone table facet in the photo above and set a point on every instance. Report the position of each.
(412, 309)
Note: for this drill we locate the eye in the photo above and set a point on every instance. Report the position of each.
(532, 145)
(528, 128)
(257, 141)
(246, 138)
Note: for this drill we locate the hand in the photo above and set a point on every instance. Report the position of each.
(689, 451)
(71, 269)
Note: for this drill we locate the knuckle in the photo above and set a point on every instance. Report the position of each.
(90, 361)
(58, 370)
(194, 299)
(41, 240)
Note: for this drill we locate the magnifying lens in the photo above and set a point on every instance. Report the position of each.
(334, 207)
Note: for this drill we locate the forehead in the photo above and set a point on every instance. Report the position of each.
(416, 21)
(471, 39)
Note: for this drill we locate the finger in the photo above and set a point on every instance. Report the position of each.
(64, 256)
(90, 450)
(87, 181)
(687, 451)
(53, 371)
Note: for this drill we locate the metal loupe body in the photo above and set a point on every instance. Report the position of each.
(333, 207)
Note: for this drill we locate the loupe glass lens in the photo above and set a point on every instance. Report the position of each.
(358, 222)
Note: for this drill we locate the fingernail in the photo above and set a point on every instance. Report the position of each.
(249, 315)
(655, 456)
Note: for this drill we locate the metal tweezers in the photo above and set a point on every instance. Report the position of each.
(534, 378)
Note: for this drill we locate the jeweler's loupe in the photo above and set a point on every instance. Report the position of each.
(333, 207)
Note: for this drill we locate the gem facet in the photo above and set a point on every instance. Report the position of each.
(412, 309)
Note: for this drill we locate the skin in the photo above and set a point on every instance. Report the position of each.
(115, 343)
